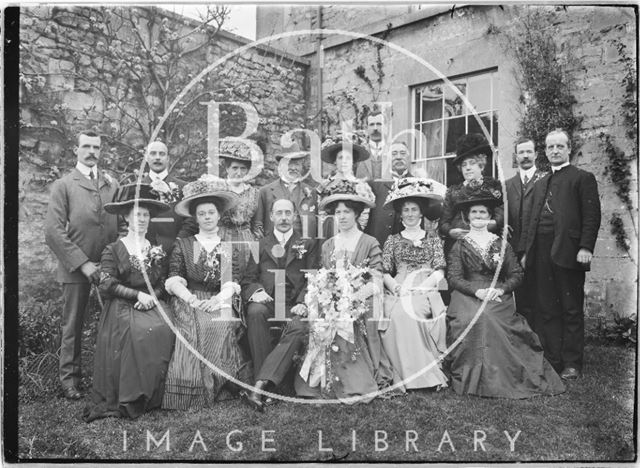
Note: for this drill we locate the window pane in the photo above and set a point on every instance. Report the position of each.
(433, 138)
(480, 92)
(453, 104)
(454, 129)
(432, 102)
(436, 170)
(474, 125)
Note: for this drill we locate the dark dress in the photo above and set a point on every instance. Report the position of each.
(133, 347)
(500, 356)
(191, 383)
(451, 217)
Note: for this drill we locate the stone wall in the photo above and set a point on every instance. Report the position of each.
(61, 47)
(472, 39)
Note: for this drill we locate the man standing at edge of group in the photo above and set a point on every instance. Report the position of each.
(77, 229)
(519, 192)
(559, 241)
(166, 226)
(371, 169)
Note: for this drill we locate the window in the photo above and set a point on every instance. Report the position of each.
(442, 117)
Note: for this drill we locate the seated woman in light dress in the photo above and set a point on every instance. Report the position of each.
(413, 263)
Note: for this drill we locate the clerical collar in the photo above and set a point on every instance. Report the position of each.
(557, 168)
(528, 173)
(158, 175)
(86, 170)
(283, 237)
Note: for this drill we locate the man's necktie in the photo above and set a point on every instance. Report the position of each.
(526, 179)
(94, 179)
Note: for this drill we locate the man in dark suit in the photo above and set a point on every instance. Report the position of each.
(519, 194)
(559, 241)
(371, 169)
(383, 220)
(166, 226)
(277, 280)
(77, 229)
(289, 186)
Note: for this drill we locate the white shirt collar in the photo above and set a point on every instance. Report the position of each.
(557, 168)
(283, 237)
(158, 175)
(85, 170)
(528, 172)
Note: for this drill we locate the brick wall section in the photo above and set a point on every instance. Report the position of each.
(279, 95)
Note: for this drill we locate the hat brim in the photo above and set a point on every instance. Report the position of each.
(342, 197)
(236, 158)
(155, 206)
(485, 150)
(490, 202)
(329, 153)
(428, 197)
(294, 155)
(227, 199)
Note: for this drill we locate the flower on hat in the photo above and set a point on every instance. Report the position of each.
(207, 183)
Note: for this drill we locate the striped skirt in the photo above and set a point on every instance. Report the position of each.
(196, 374)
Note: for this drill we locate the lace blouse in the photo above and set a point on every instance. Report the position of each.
(397, 250)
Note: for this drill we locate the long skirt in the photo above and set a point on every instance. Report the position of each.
(499, 356)
(133, 349)
(199, 371)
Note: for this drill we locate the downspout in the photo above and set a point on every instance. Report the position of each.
(320, 55)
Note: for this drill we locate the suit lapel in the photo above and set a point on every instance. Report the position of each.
(269, 241)
(83, 181)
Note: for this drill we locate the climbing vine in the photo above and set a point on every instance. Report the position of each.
(545, 82)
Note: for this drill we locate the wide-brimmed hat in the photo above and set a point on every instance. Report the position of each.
(332, 145)
(478, 194)
(127, 196)
(207, 186)
(426, 192)
(346, 189)
(236, 152)
(469, 145)
(292, 152)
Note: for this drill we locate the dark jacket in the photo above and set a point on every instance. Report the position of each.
(519, 207)
(258, 276)
(576, 220)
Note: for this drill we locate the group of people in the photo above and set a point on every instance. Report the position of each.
(189, 304)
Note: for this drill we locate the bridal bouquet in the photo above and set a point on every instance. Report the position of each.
(336, 299)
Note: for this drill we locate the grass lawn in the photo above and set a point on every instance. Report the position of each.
(593, 420)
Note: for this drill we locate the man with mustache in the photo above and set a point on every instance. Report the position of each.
(371, 169)
(383, 219)
(281, 252)
(167, 226)
(77, 229)
(519, 193)
(289, 186)
(560, 236)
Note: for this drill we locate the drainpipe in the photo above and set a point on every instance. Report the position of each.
(320, 55)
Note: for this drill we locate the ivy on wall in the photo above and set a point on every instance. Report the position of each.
(545, 83)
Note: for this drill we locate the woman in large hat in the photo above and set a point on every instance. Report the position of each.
(134, 343)
(344, 155)
(357, 367)
(202, 280)
(413, 263)
(239, 222)
(499, 355)
(472, 151)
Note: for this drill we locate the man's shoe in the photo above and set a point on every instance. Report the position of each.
(570, 373)
(255, 399)
(71, 393)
